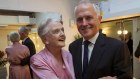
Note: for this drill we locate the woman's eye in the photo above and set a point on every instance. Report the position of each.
(62, 29)
(56, 31)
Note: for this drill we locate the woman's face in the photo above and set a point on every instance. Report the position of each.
(56, 36)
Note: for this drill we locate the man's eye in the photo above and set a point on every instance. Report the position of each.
(89, 18)
(79, 20)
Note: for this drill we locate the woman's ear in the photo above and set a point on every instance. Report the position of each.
(44, 39)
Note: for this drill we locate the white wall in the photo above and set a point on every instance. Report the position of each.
(122, 5)
(136, 39)
(121, 8)
(9, 4)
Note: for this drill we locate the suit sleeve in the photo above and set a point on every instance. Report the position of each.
(32, 50)
(122, 63)
(137, 52)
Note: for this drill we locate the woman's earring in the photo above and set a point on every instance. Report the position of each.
(47, 42)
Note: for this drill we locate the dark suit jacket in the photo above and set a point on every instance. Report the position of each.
(29, 43)
(130, 46)
(137, 52)
(110, 57)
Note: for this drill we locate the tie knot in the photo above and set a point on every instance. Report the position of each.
(86, 42)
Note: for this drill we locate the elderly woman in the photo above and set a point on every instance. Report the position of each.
(52, 62)
(15, 53)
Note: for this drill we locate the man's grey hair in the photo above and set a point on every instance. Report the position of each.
(43, 28)
(95, 6)
(14, 37)
(24, 29)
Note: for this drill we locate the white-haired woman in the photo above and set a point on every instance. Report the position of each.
(15, 53)
(52, 62)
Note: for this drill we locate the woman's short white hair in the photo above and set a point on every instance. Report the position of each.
(44, 28)
(14, 37)
(95, 7)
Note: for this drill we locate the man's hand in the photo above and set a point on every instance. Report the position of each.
(108, 77)
(16, 61)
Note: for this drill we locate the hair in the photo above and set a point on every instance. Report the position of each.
(14, 37)
(44, 28)
(95, 7)
(24, 29)
(129, 35)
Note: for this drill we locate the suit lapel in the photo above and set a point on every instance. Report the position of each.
(96, 54)
(53, 64)
(78, 60)
(24, 42)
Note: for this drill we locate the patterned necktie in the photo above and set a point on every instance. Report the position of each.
(85, 58)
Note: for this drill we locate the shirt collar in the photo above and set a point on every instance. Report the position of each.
(93, 39)
(24, 39)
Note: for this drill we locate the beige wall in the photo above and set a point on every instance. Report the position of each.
(4, 31)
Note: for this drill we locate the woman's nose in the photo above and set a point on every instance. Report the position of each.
(62, 32)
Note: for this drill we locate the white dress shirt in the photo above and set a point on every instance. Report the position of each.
(90, 46)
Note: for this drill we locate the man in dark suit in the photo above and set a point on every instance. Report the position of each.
(24, 31)
(107, 58)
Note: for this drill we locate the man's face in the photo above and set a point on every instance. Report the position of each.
(21, 35)
(87, 20)
(56, 36)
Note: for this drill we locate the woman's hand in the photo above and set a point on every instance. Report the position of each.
(15, 61)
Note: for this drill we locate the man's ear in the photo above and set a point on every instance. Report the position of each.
(100, 18)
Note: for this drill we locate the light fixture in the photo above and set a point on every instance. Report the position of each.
(119, 32)
(33, 37)
(38, 46)
(125, 32)
(122, 29)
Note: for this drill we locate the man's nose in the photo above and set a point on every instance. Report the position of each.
(84, 22)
